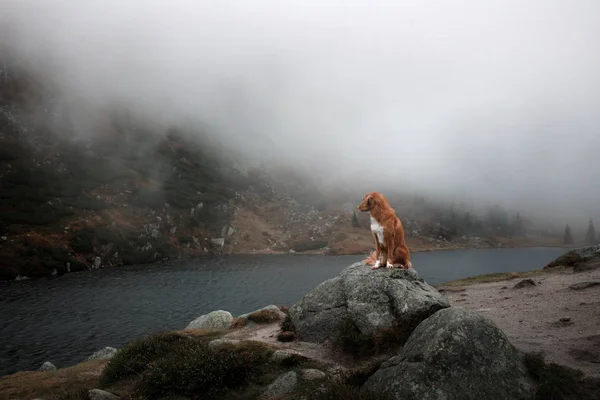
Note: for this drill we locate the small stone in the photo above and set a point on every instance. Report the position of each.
(283, 356)
(47, 366)
(311, 374)
(97, 394)
(525, 283)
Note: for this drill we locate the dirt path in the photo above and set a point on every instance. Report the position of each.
(548, 316)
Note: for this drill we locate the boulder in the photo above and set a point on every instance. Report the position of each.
(371, 299)
(47, 366)
(576, 256)
(102, 354)
(455, 354)
(218, 319)
(97, 394)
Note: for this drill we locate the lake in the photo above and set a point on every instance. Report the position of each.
(65, 319)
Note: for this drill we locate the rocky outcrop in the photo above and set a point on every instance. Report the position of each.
(218, 319)
(371, 300)
(576, 256)
(454, 354)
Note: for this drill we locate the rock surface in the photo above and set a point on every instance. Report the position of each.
(281, 386)
(576, 256)
(454, 354)
(102, 354)
(218, 319)
(372, 300)
(47, 366)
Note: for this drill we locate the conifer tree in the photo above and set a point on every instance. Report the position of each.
(568, 237)
(355, 222)
(590, 237)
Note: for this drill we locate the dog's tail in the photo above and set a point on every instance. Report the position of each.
(408, 265)
(370, 260)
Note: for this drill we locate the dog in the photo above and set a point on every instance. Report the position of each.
(388, 233)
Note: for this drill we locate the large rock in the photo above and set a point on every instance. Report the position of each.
(453, 355)
(213, 320)
(576, 256)
(372, 300)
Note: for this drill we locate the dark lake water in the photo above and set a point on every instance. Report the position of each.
(66, 319)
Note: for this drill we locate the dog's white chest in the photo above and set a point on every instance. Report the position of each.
(377, 229)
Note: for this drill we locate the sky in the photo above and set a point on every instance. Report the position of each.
(496, 100)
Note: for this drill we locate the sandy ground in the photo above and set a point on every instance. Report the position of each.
(551, 317)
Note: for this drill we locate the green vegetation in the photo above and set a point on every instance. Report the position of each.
(557, 382)
(174, 364)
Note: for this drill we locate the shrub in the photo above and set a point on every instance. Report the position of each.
(557, 382)
(136, 356)
(194, 369)
(264, 316)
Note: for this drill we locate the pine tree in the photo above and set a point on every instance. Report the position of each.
(355, 222)
(590, 237)
(568, 237)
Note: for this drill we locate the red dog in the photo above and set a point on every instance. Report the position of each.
(388, 233)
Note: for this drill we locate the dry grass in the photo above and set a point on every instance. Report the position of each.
(52, 385)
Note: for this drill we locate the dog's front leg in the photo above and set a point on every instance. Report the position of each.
(390, 251)
(377, 253)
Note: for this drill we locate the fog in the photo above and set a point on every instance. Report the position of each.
(494, 100)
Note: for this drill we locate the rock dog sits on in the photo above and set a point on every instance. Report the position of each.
(388, 233)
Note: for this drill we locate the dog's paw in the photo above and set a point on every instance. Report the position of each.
(376, 265)
(389, 265)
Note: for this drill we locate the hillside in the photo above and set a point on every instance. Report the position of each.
(113, 190)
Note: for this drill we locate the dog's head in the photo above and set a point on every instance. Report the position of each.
(370, 201)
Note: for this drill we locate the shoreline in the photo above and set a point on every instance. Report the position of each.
(325, 252)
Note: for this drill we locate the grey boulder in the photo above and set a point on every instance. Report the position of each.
(453, 355)
(47, 366)
(218, 319)
(102, 354)
(371, 299)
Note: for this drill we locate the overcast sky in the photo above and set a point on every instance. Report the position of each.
(497, 99)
